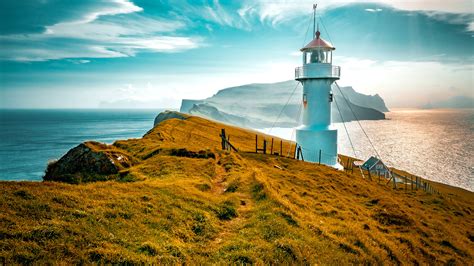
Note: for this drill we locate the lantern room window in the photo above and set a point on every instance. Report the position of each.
(318, 57)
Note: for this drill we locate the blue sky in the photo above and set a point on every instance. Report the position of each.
(77, 54)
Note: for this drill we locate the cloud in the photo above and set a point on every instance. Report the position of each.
(41, 48)
(196, 12)
(369, 76)
(113, 29)
(33, 16)
(373, 10)
(79, 61)
(277, 12)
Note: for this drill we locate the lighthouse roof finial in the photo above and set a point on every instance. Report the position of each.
(317, 42)
(317, 33)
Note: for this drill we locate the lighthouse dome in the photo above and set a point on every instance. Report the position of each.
(318, 43)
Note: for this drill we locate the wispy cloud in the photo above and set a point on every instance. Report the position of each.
(277, 12)
(112, 30)
(213, 12)
(373, 10)
(113, 7)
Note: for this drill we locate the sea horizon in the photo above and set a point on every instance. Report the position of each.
(124, 123)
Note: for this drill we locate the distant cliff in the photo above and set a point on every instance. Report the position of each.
(259, 105)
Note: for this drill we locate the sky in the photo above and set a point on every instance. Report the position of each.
(152, 54)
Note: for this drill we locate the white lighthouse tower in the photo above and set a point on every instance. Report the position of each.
(316, 136)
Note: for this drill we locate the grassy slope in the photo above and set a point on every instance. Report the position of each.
(240, 207)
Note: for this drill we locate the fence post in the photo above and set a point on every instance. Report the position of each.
(271, 149)
(319, 157)
(411, 182)
(264, 146)
(223, 139)
(281, 147)
(256, 143)
(394, 180)
(296, 146)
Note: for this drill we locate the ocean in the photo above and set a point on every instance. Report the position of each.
(31, 138)
(435, 144)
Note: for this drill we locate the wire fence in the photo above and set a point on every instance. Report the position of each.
(381, 174)
(399, 179)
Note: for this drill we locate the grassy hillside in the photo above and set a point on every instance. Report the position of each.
(174, 206)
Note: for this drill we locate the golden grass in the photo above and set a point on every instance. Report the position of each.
(237, 208)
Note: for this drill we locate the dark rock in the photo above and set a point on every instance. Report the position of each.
(90, 161)
(168, 115)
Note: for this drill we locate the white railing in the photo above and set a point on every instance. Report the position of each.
(317, 71)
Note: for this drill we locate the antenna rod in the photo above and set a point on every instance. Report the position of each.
(314, 19)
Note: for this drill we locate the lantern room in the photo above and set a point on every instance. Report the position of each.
(318, 51)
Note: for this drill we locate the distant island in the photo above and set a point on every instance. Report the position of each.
(263, 105)
(453, 102)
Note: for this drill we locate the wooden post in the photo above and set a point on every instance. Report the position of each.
(256, 143)
(394, 181)
(411, 182)
(417, 183)
(296, 147)
(298, 153)
(271, 149)
(319, 157)
(223, 139)
(264, 146)
(281, 147)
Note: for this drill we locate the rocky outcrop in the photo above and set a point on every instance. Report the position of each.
(89, 161)
(368, 101)
(168, 115)
(187, 105)
(211, 112)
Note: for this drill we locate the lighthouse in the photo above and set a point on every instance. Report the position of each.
(316, 137)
